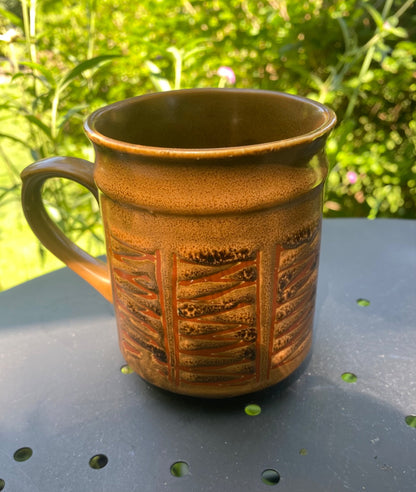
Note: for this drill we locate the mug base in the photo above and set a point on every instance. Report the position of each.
(284, 375)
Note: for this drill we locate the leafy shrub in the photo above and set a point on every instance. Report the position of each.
(359, 57)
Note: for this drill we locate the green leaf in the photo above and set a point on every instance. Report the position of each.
(43, 70)
(73, 111)
(34, 120)
(399, 32)
(393, 20)
(19, 75)
(318, 82)
(5, 191)
(11, 17)
(7, 105)
(345, 33)
(83, 67)
(15, 139)
(161, 84)
(195, 46)
(377, 17)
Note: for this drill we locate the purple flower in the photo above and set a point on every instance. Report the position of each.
(227, 74)
(352, 177)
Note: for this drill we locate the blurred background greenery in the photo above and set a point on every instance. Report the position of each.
(61, 59)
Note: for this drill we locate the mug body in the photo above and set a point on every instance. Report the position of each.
(212, 203)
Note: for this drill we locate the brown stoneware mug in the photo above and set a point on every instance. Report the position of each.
(212, 203)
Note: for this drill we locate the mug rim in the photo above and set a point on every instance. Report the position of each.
(102, 140)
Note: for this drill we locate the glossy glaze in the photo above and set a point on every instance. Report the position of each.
(211, 202)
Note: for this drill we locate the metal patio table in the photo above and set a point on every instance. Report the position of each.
(73, 418)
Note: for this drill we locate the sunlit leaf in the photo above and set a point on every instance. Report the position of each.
(14, 19)
(377, 17)
(43, 70)
(83, 67)
(5, 192)
(40, 124)
(72, 112)
(399, 32)
(161, 84)
(15, 139)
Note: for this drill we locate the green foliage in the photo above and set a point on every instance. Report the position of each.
(63, 59)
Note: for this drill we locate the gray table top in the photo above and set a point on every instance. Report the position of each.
(64, 398)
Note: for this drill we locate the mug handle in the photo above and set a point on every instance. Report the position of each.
(93, 270)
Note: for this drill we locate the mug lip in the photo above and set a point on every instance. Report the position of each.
(102, 140)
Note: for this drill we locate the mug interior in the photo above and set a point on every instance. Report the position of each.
(209, 118)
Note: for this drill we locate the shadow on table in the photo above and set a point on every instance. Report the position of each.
(316, 435)
(56, 296)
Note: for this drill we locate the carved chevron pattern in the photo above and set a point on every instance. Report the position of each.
(215, 317)
(296, 270)
(136, 281)
(205, 328)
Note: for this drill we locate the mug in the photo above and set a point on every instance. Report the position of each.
(211, 202)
